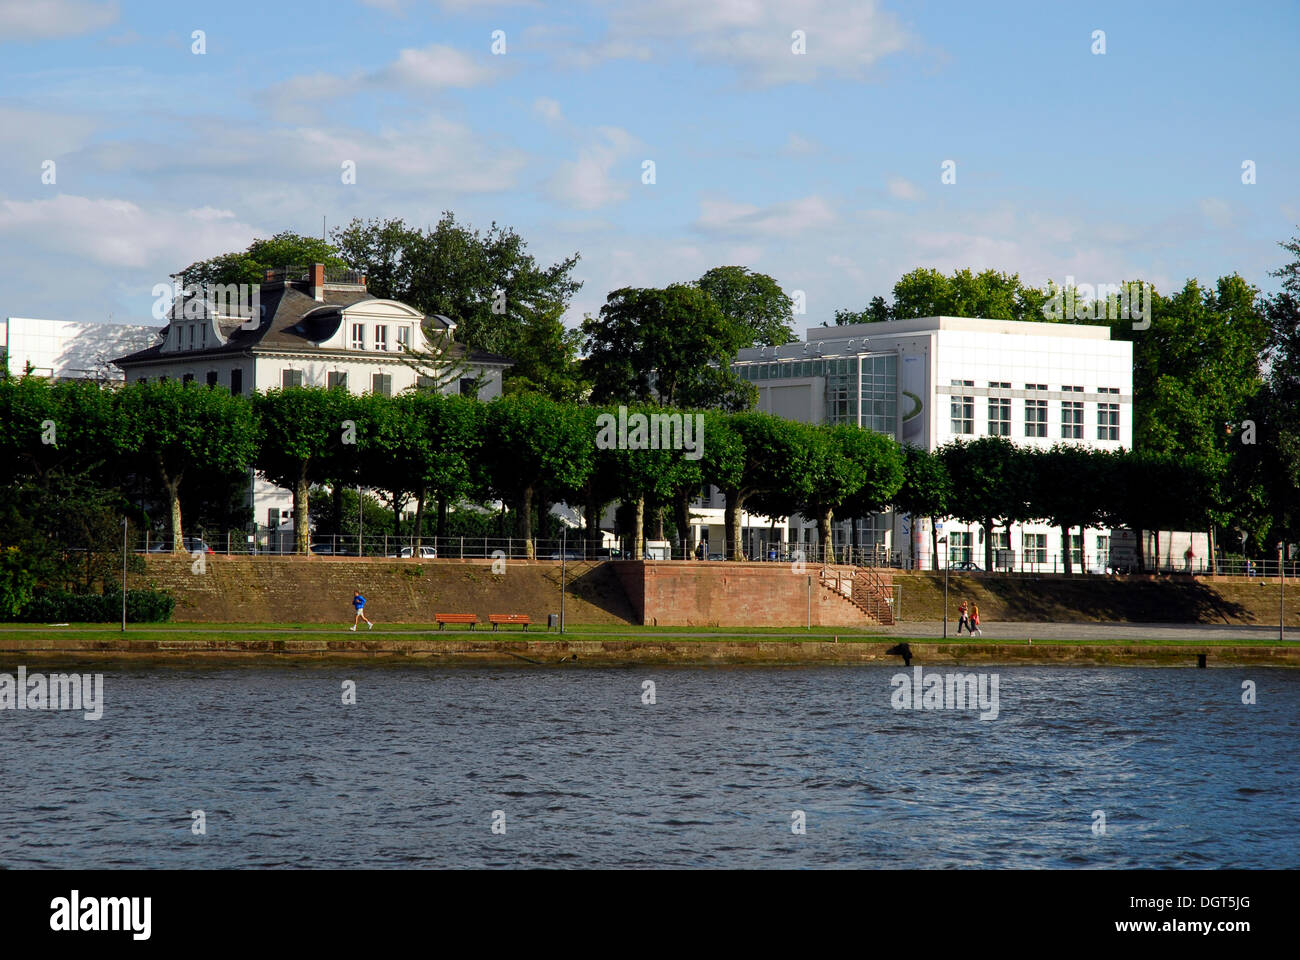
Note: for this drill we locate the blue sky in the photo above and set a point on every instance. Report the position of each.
(821, 169)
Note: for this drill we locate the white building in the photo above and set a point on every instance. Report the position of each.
(931, 380)
(61, 349)
(310, 330)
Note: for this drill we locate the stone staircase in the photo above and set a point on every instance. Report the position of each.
(867, 588)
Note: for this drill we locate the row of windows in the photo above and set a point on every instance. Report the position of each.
(1033, 546)
(1072, 418)
(378, 339)
(380, 383)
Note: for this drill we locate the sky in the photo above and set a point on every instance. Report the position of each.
(822, 168)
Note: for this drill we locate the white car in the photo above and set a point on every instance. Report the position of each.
(408, 553)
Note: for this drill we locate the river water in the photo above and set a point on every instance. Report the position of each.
(576, 770)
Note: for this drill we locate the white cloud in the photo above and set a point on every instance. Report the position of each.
(903, 189)
(841, 37)
(119, 233)
(548, 109)
(435, 67)
(27, 19)
(798, 146)
(589, 182)
(726, 218)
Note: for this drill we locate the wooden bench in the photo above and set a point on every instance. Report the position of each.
(499, 618)
(446, 618)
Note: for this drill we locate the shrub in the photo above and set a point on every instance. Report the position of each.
(59, 606)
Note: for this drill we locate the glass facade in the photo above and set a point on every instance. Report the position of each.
(860, 389)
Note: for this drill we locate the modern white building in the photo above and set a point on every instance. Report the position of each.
(61, 349)
(931, 380)
(304, 328)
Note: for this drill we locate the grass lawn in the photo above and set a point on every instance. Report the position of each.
(182, 632)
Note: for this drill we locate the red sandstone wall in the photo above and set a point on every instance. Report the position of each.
(732, 594)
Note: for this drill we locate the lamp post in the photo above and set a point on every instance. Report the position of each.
(944, 541)
(564, 552)
(1281, 592)
(124, 574)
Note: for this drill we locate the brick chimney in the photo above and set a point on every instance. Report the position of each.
(318, 281)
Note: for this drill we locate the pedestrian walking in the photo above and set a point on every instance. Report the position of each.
(359, 605)
(963, 618)
(975, 620)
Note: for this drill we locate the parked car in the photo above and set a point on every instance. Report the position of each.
(191, 544)
(717, 556)
(568, 555)
(408, 553)
(967, 565)
(330, 550)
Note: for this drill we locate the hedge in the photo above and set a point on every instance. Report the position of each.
(59, 606)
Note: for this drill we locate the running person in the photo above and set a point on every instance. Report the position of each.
(359, 604)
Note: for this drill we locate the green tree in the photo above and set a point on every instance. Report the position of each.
(179, 429)
(988, 484)
(673, 346)
(500, 298)
(1067, 487)
(926, 491)
(856, 469)
(532, 444)
(754, 302)
(285, 249)
(301, 440)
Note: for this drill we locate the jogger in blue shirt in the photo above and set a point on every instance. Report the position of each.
(359, 604)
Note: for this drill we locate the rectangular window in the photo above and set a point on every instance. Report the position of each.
(1035, 548)
(336, 378)
(191, 336)
(1071, 419)
(236, 381)
(382, 384)
(212, 378)
(358, 341)
(1102, 557)
(999, 417)
(403, 338)
(469, 386)
(188, 378)
(381, 337)
(1035, 418)
(959, 547)
(290, 378)
(425, 383)
(1108, 415)
(963, 409)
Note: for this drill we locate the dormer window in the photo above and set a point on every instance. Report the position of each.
(381, 337)
(192, 336)
(403, 338)
(358, 336)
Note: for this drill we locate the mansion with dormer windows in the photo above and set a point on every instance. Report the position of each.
(309, 328)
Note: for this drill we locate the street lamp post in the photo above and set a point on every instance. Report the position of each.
(124, 574)
(944, 541)
(1281, 592)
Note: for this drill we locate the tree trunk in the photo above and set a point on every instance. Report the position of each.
(1066, 561)
(638, 528)
(336, 499)
(301, 532)
(1210, 567)
(1139, 536)
(824, 518)
(397, 514)
(682, 516)
(524, 522)
(592, 510)
(174, 501)
(1156, 545)
(988, 543)
(659, 522)
(732, 519)
(934, 545)
(441, 529)
(419, 517)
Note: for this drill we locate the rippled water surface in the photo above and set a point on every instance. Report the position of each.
(587, 775)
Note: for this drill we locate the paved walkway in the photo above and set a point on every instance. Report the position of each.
(1100, 631)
